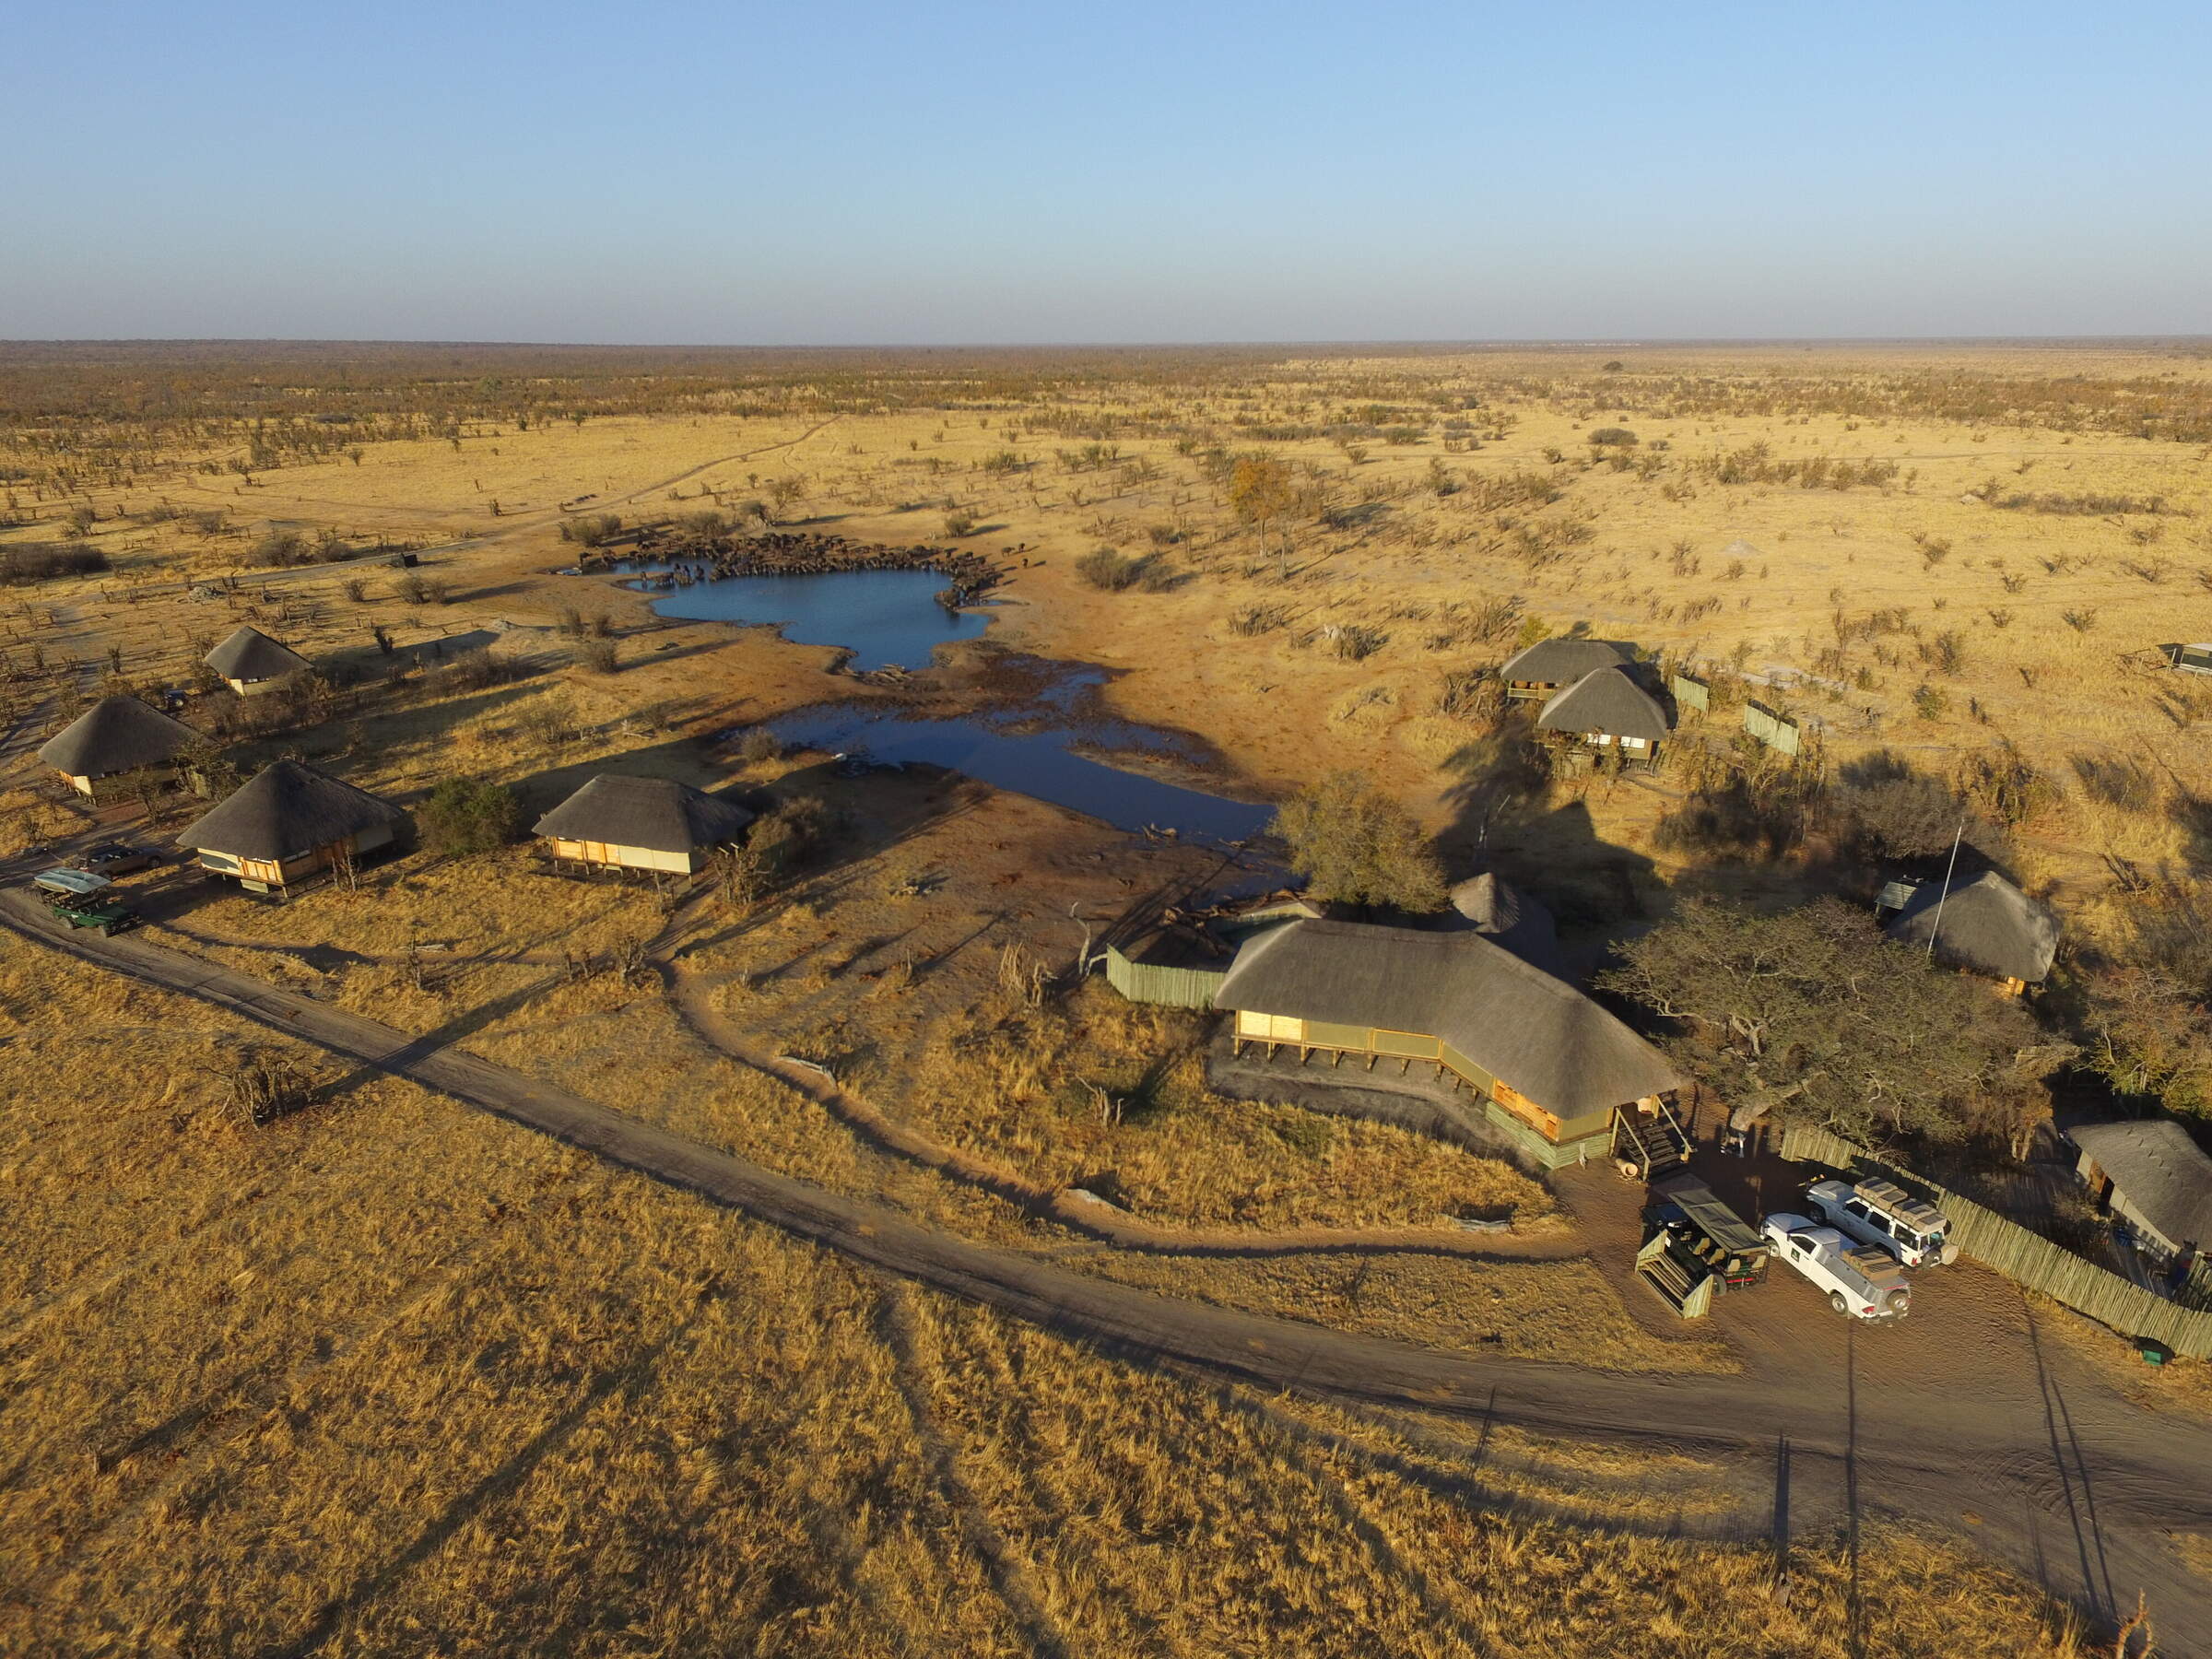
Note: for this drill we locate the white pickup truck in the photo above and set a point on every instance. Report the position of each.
(1861, 1280)
(1883, 1214)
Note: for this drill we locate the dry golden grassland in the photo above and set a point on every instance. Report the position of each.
(389, 1376)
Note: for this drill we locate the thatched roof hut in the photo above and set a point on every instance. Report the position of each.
(1606, 704)
(1547, 1040)
(1561, 662)
(1501, 912)
(115, 735)
(288, 822)
(642, 823)
(1986, 925)
(250, 657)
(2160, 1178)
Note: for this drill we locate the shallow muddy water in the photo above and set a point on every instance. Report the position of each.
(1042, 763)
(884, 618)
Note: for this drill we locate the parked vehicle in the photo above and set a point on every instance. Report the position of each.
(104, 915)
(120, 858)
(1861, 1280)
(1883, 1214)
(66, 883)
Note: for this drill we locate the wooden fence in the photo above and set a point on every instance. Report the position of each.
(1692, 693)
(2025, 1257)
(1770, 728)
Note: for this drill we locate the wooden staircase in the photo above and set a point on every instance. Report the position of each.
(1649, 1145)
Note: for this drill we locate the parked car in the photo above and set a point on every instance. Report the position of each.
(1883, 1214)
(1861, 1280)
(120, 858)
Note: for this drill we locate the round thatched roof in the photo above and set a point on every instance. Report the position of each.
(250, 654)
(116, 735)
(657, 814)
(1607, 701)
(285, 810)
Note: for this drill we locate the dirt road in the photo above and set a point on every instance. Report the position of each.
(2064, 1478)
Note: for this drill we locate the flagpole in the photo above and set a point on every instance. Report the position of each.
(1935, 926)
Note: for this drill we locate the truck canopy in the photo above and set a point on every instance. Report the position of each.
(74, 884)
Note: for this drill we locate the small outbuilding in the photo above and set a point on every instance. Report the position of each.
(2156, 1178)
(114, 737)
(617, 822)
(1549, 665)
(1502, 914)
(1551, 1066)
(249, 660)
(1607, 709)
(1986, 925)
(289, 823)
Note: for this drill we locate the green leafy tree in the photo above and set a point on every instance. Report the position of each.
(1357, 845)
(465, 816)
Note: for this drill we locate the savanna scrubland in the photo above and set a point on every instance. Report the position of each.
(1951, 565)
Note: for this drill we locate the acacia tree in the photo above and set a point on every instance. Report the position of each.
(1355, 845)
(1260, 492)
(1875, 1041)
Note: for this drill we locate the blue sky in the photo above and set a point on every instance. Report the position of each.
(842, 172)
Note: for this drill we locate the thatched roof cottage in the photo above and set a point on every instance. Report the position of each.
(1538, 670)
(289, 823)
(1606, 707)
(1986, 925)
(616, 822)
(1550, 1064)
(249, 661)
(115, 737)
(2154, 1175)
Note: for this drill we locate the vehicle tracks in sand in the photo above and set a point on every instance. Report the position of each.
(1914, 1449)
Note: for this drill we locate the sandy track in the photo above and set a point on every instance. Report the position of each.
(2082, 1491)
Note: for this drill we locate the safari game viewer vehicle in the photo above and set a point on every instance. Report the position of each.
(1861, 1280)
(79, 898)
(1695, 1247)
(1884, 1215)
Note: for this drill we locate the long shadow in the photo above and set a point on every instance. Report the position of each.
(2081, 1515)
(1782, 1515)
(1854, 1603)
(508, 1478)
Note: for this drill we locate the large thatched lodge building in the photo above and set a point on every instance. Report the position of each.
(1469, 1013)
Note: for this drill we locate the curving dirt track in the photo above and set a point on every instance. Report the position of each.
(2060, 1475)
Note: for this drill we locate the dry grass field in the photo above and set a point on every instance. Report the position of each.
(352, 1382)
(389, 1377)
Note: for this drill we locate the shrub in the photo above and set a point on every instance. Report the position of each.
(1611, 436)
(25, 563)
(599, 655)
(1108, 570)
(280, 547)
(465, 816)
(592, 530)
(960, 522)
(759, 746)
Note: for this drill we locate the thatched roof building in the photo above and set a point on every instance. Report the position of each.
(1501, 912)
(116, 735)
(1540, 669)
(2153, 1174)
(1606, 706)
(1526, 1039)
(642, 823)
(288, 823)
(1986, 925)
(250, 657)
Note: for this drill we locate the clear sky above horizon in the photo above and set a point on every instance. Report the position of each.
(846, 172)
